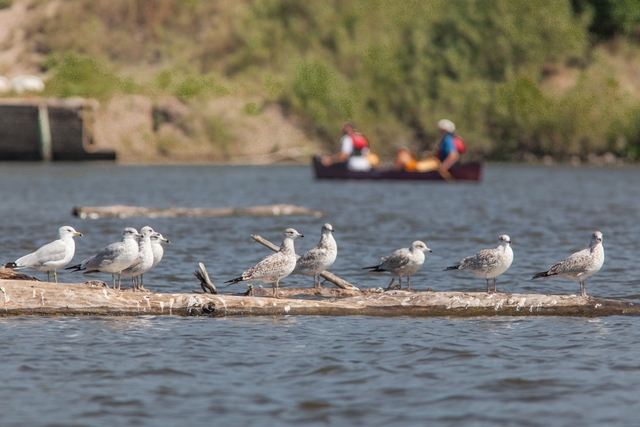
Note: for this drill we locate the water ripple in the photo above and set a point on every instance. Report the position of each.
(154, 370)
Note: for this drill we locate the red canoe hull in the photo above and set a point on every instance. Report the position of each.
(461, 172)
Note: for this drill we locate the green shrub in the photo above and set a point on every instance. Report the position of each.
(81, 75)
(395, 68)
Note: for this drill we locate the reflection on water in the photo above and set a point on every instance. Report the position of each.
(356, 370)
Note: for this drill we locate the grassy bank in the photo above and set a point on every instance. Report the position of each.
(521, 80)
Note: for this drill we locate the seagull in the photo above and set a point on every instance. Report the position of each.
(580, 265)
(144, 262)
(319, 258)
(489, 263)
(275, 266)
(114, 258)
(51, 256)
(403, 262)
(157, 250)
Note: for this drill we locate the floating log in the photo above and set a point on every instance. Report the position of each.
(341, 283)
(121, 211)
(19, 297)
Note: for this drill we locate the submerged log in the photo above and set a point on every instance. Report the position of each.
(122, 211)
(18, 297)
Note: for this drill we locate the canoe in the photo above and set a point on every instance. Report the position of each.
(460, 172)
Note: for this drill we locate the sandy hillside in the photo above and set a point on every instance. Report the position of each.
(146, 130)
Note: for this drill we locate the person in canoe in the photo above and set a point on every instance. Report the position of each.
(448, 153)
(405, 159)
(448, 149)
(354, 151)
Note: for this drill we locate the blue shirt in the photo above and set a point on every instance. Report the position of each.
(446, 146)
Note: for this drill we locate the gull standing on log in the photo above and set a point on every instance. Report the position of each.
(157, 250)
(580, 265)
(319, 258)
(156, 247)
(403, 262)
(113, 258)
(144, 262)
(275, 266)
(489, 263)
(51, 256)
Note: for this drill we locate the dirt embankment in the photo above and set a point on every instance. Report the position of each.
(144, 130)
(216, 130)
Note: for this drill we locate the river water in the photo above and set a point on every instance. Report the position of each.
(328, 370)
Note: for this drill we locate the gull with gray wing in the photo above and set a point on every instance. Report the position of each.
(144, 262)
(403, 262)
(158, 251)
(274, 267)
(320, 258)
(114, 258)
(489, 263)
(51, 256)
(580, 265)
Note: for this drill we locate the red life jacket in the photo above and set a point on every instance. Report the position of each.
(461, 147)
(359, 141)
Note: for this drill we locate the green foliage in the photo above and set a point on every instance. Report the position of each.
(626, 13)
(595, 116)
(251, 109)
(395, 68)
(80, 75)
(187, 86)
(315, 90)
(5, 4)
(608, 18)
(192, 86)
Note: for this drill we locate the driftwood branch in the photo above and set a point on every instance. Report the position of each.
(19, 297)
(121, 211)
(341, 283)
(205, 282)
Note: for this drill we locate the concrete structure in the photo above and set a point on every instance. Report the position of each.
(37, 129)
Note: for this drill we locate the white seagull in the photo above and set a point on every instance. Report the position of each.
(157, 251)
(403, 262)
(320, 258)
(156, 248)
(144, 262)
(580, 265)
(275, 266)
(489, 263)
(113, 258)
(51, 256)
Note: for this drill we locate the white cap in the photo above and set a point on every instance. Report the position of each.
(447, 125)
